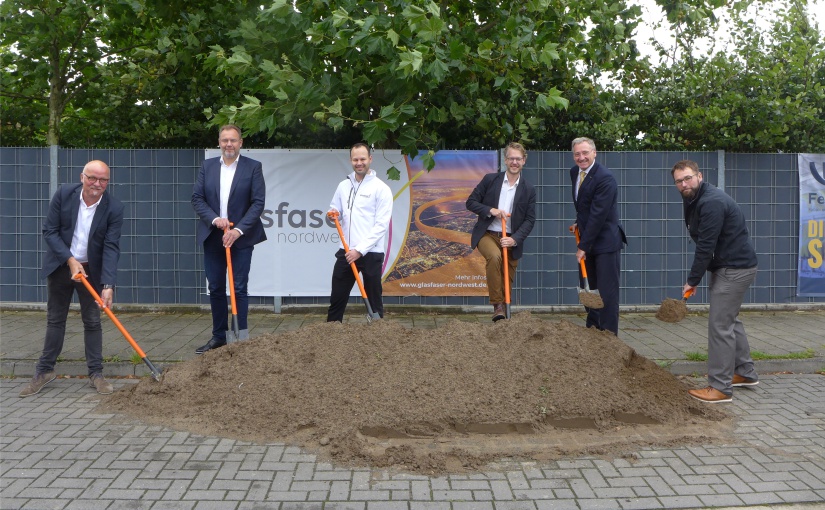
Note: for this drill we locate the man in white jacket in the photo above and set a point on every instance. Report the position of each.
(364, 205)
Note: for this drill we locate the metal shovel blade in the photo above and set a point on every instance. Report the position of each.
(590, 298)
(233, 334)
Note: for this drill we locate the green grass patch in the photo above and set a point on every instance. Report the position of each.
(136, 359)
(112, 359)
(806, 354)
(696, 356)
(757, 355)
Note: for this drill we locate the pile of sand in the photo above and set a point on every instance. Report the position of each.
(446, 399)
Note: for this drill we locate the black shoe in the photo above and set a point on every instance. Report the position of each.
(213, 343)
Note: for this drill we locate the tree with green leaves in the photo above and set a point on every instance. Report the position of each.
(766, 93)
(418, 74)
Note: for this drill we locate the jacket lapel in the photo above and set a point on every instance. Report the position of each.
(102, 210)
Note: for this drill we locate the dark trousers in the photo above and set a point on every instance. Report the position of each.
(603, 274)
(214, 255)
(370, 266)
(61, 287)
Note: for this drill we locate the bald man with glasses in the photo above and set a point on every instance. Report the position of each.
(82, 234)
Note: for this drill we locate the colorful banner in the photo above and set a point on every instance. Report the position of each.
(436, 259)
(427, 253)
(811, 275)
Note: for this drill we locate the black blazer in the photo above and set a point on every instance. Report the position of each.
(597, 211)
(485, 197)
(246, 200)
(104, 235)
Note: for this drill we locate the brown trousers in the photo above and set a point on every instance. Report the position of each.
(490, 247)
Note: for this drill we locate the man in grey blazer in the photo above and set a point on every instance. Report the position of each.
(82, 234)
(228, 189)
(497, 195)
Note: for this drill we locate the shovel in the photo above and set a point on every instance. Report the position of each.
(234, 334)
(674, 310)
(155, 372)
(589, 298)
(370, 314)
(506, 270)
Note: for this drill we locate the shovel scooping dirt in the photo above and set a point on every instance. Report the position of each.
(587, 297)
(674, 310)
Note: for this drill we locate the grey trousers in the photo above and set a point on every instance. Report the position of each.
(728, 349)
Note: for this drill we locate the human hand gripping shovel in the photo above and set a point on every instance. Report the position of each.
(506, 268)
(233, 334)
(589, 298)
(674, 310)
(156, 375)
(370, 314)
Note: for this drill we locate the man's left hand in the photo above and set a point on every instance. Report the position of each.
(352, 256)
(230, 236)
(508, 242)
(107, 295)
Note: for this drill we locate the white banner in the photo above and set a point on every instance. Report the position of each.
(299, 253)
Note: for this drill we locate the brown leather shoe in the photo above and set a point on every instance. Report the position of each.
(710, 395)
(738, 380)
(498, 312)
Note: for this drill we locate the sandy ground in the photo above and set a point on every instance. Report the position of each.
(451, 399)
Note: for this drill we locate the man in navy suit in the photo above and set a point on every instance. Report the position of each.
(82, 234)
(497, 195)
(229, 189)
(596, 197)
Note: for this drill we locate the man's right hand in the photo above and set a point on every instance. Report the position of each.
(333, 212)
(497, 213)
(221, 223)
(75, 267)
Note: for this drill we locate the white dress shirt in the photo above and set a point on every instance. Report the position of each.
(80, 238)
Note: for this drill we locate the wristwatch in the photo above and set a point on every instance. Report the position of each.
(108, 287)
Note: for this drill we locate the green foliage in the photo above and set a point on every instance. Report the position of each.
(806, 354)
(418, 74)
(766, 95)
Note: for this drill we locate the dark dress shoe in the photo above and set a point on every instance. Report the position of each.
(213, 343)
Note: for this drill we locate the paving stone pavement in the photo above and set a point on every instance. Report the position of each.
(58, 452)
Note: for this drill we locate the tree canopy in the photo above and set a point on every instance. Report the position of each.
(418, 75)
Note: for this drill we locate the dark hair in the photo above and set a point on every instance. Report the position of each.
(683, 164)
(360, 144)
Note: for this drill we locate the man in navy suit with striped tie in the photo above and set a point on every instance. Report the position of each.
(229, 189)
(596, 197)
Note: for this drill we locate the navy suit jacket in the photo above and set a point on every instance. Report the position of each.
(104, 235)
(597, 211)
(485, 197)
(246, 200)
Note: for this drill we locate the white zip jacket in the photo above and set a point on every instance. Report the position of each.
(366, 211)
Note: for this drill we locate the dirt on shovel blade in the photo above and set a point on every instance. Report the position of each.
(591, 300)
(447, 399)
(672, 310)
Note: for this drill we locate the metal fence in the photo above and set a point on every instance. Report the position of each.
(161, 263)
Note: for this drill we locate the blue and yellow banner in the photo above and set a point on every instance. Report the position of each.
(811, 279)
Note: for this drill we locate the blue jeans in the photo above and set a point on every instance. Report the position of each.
(215, 266)
(61, 288)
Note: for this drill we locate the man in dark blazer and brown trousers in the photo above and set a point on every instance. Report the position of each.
(497, 195)
(228, 189)
(82, 234)
(596, 197)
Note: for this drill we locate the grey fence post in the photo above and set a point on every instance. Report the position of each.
(52, 170)
(720, 162)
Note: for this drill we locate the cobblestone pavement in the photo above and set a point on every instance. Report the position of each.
(57, 452)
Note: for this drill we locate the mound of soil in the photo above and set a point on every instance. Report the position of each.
(672, 310)
(430, 401)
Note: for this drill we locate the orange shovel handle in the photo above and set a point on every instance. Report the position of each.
(506, 264)
(689, 293)
(578, 239)
(231, 276)
(96, 296)
(334, 216)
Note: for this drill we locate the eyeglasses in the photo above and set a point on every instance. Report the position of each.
(514, 160)
(687, 178)
(582, 153)
(95, 179)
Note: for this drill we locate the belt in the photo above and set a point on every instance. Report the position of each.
(496, 233)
